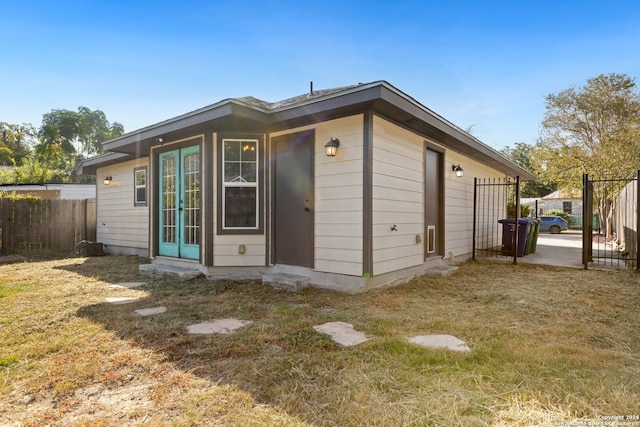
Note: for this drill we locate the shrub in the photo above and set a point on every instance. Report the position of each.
(524, 211)
(560, 213)
(15, 196)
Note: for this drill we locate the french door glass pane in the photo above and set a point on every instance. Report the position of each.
(169, 200)
(192, 199)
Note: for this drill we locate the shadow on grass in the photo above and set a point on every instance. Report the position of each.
(101, 268)
(521, 342)
(278, 359)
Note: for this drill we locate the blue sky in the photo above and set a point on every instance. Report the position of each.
(481, 64)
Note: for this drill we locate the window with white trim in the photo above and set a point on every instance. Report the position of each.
(140, 186)
(240, 198)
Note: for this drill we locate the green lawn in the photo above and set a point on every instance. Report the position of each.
(549, 346)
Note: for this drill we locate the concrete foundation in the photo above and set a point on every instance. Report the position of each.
(293, 278)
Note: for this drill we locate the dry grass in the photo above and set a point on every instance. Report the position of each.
(550, 346)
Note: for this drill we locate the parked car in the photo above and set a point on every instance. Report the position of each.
(553, 224)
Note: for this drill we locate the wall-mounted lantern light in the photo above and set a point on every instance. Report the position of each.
(160, 140)
(458, 170)
(331, 147)
(107, 180)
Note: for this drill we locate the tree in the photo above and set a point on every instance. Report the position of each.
(594, 129)
(81, 133)
(15, 143)
(523, 155)
(67, 137)
(34, 171)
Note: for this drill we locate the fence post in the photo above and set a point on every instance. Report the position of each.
(516, 238)
(475, 204)
(587, 220)
(83, 234)
(638, 220)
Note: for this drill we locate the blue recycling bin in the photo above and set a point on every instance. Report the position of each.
(508, 232)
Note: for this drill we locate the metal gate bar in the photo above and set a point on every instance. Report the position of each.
(616, 244)
(491, 197)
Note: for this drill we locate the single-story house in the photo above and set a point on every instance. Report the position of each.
(53, 191)
(569, 202)
(351, 188)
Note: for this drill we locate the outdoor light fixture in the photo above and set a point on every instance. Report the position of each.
(107, 180)
(458, 170)
(160, 140)
(331, 147)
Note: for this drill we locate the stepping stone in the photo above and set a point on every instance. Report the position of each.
(151, 311)
(441, 341)
(220, 326)
(342, 333)
(126, 285)
(121, 300)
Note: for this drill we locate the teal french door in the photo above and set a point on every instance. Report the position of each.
(179, 203)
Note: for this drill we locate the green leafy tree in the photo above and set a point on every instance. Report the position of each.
(71, 133)
(67, 137)
(593, 129)
(16, 143)
(523, 155)
(34, 171)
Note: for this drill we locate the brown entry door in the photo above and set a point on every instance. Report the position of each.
(434, 204)
(293, 199)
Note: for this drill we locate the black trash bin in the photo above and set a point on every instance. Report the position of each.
(508, 231)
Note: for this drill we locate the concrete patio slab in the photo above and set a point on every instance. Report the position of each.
(121, 300)
(342, 333)
(151, 311)
(126, 285)
(160, 271)
(564, 249)
(219, 326)
(441, 341)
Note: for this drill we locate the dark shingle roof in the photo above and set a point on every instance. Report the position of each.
(307, 108)
(293, 101)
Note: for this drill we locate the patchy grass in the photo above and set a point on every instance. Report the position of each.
(550, 346)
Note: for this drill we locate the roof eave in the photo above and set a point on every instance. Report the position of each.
(379, 96)
(384, 97)
(90, 166)
(458, 140)
(142, 139)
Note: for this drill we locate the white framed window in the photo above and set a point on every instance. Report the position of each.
(140, 186)
(240, 186)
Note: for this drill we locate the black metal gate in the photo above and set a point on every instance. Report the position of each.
(495, 200)
(611, 215)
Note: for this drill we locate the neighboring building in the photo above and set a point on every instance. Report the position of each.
(569, 202)
(244, 187)
(53, 191)
(534, 204)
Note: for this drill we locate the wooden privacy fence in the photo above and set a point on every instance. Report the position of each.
(46, 224)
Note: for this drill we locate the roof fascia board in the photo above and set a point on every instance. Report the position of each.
(222, 109)
(413, 107)
(90, 166)
(353, 98)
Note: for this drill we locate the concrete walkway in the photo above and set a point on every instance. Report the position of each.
(564, 249)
